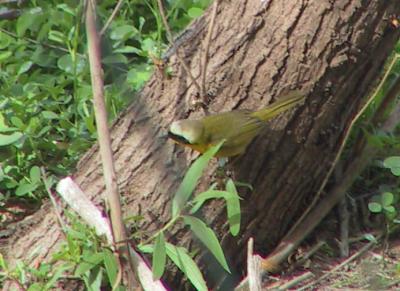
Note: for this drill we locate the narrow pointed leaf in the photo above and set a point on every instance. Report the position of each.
(159, 257)
(185, 263)
(191, 178)
(208, 238)
(233, 208)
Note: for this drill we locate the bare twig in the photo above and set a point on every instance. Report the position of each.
(53, 201)
(309, 254)
(297, 280)
(206, 51)
(112, 198)
(171, 41)
(341, 265)
(112, 16)
(253, 268)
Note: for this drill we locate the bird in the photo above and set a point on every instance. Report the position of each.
(237, 128)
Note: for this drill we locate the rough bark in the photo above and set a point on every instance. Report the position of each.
(332, 49)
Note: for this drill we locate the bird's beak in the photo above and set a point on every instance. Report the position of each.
(177, 138)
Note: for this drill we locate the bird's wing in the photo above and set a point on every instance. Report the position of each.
(238, 128)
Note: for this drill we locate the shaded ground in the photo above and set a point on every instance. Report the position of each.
(369, 266)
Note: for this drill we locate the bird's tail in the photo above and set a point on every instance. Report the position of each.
(284, 103)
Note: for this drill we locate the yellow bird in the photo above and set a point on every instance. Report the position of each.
(238, 127)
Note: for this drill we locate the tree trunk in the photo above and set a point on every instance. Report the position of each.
(332, 49)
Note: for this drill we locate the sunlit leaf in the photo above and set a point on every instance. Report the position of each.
(159, 257)
(185, 263)
(191, 178)
(208, 238)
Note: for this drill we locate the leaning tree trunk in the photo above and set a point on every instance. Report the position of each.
(332, 49)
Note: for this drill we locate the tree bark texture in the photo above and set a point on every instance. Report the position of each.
(334, 50)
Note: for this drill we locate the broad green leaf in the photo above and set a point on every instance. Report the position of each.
(25, 67)
(185, 263)
(123, 32)
(208, 238)
(65, 63)
(4, 127)
(88, 262)
(10, 139)
(5, 40)
(233, 208)
(387, 199)
(49, 115)
(5, 55)
(201, 198)
(191, 178)
(93, 282)
(57, 36)
(393, 163)
(390, 209)
(25, 188)
(159, 257)
(34, 174)
(375, 207)
(195, 12)
(111, 266)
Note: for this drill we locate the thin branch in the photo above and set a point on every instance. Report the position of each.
(112, 195)
(206, 51)
(338, 267)
(112, 16)
(171, 41)
(53, 201)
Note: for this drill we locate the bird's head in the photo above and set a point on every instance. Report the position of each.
(186, 131)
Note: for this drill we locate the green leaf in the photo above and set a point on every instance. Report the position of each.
(10, 139)
(34, 174)
(159, 257)
(201, 198)
(191, 178)
(49, 115)
(389, 209)
(195, 12)
(93, 282)
(4, 127)
(393, 163)
(25, 188)
(127, 50)
(25, 67)
(387, 199)
(123, 32)
(111, 266)
(208, 238)
(370, 237)
(233, 208)
(3, 264)
(65, 63)
(5, 40)
(375, 207)
(185, 263)
(5, 55)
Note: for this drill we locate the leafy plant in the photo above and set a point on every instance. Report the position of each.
(183, 209)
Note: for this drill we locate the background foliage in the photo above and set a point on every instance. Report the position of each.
(46, 115)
